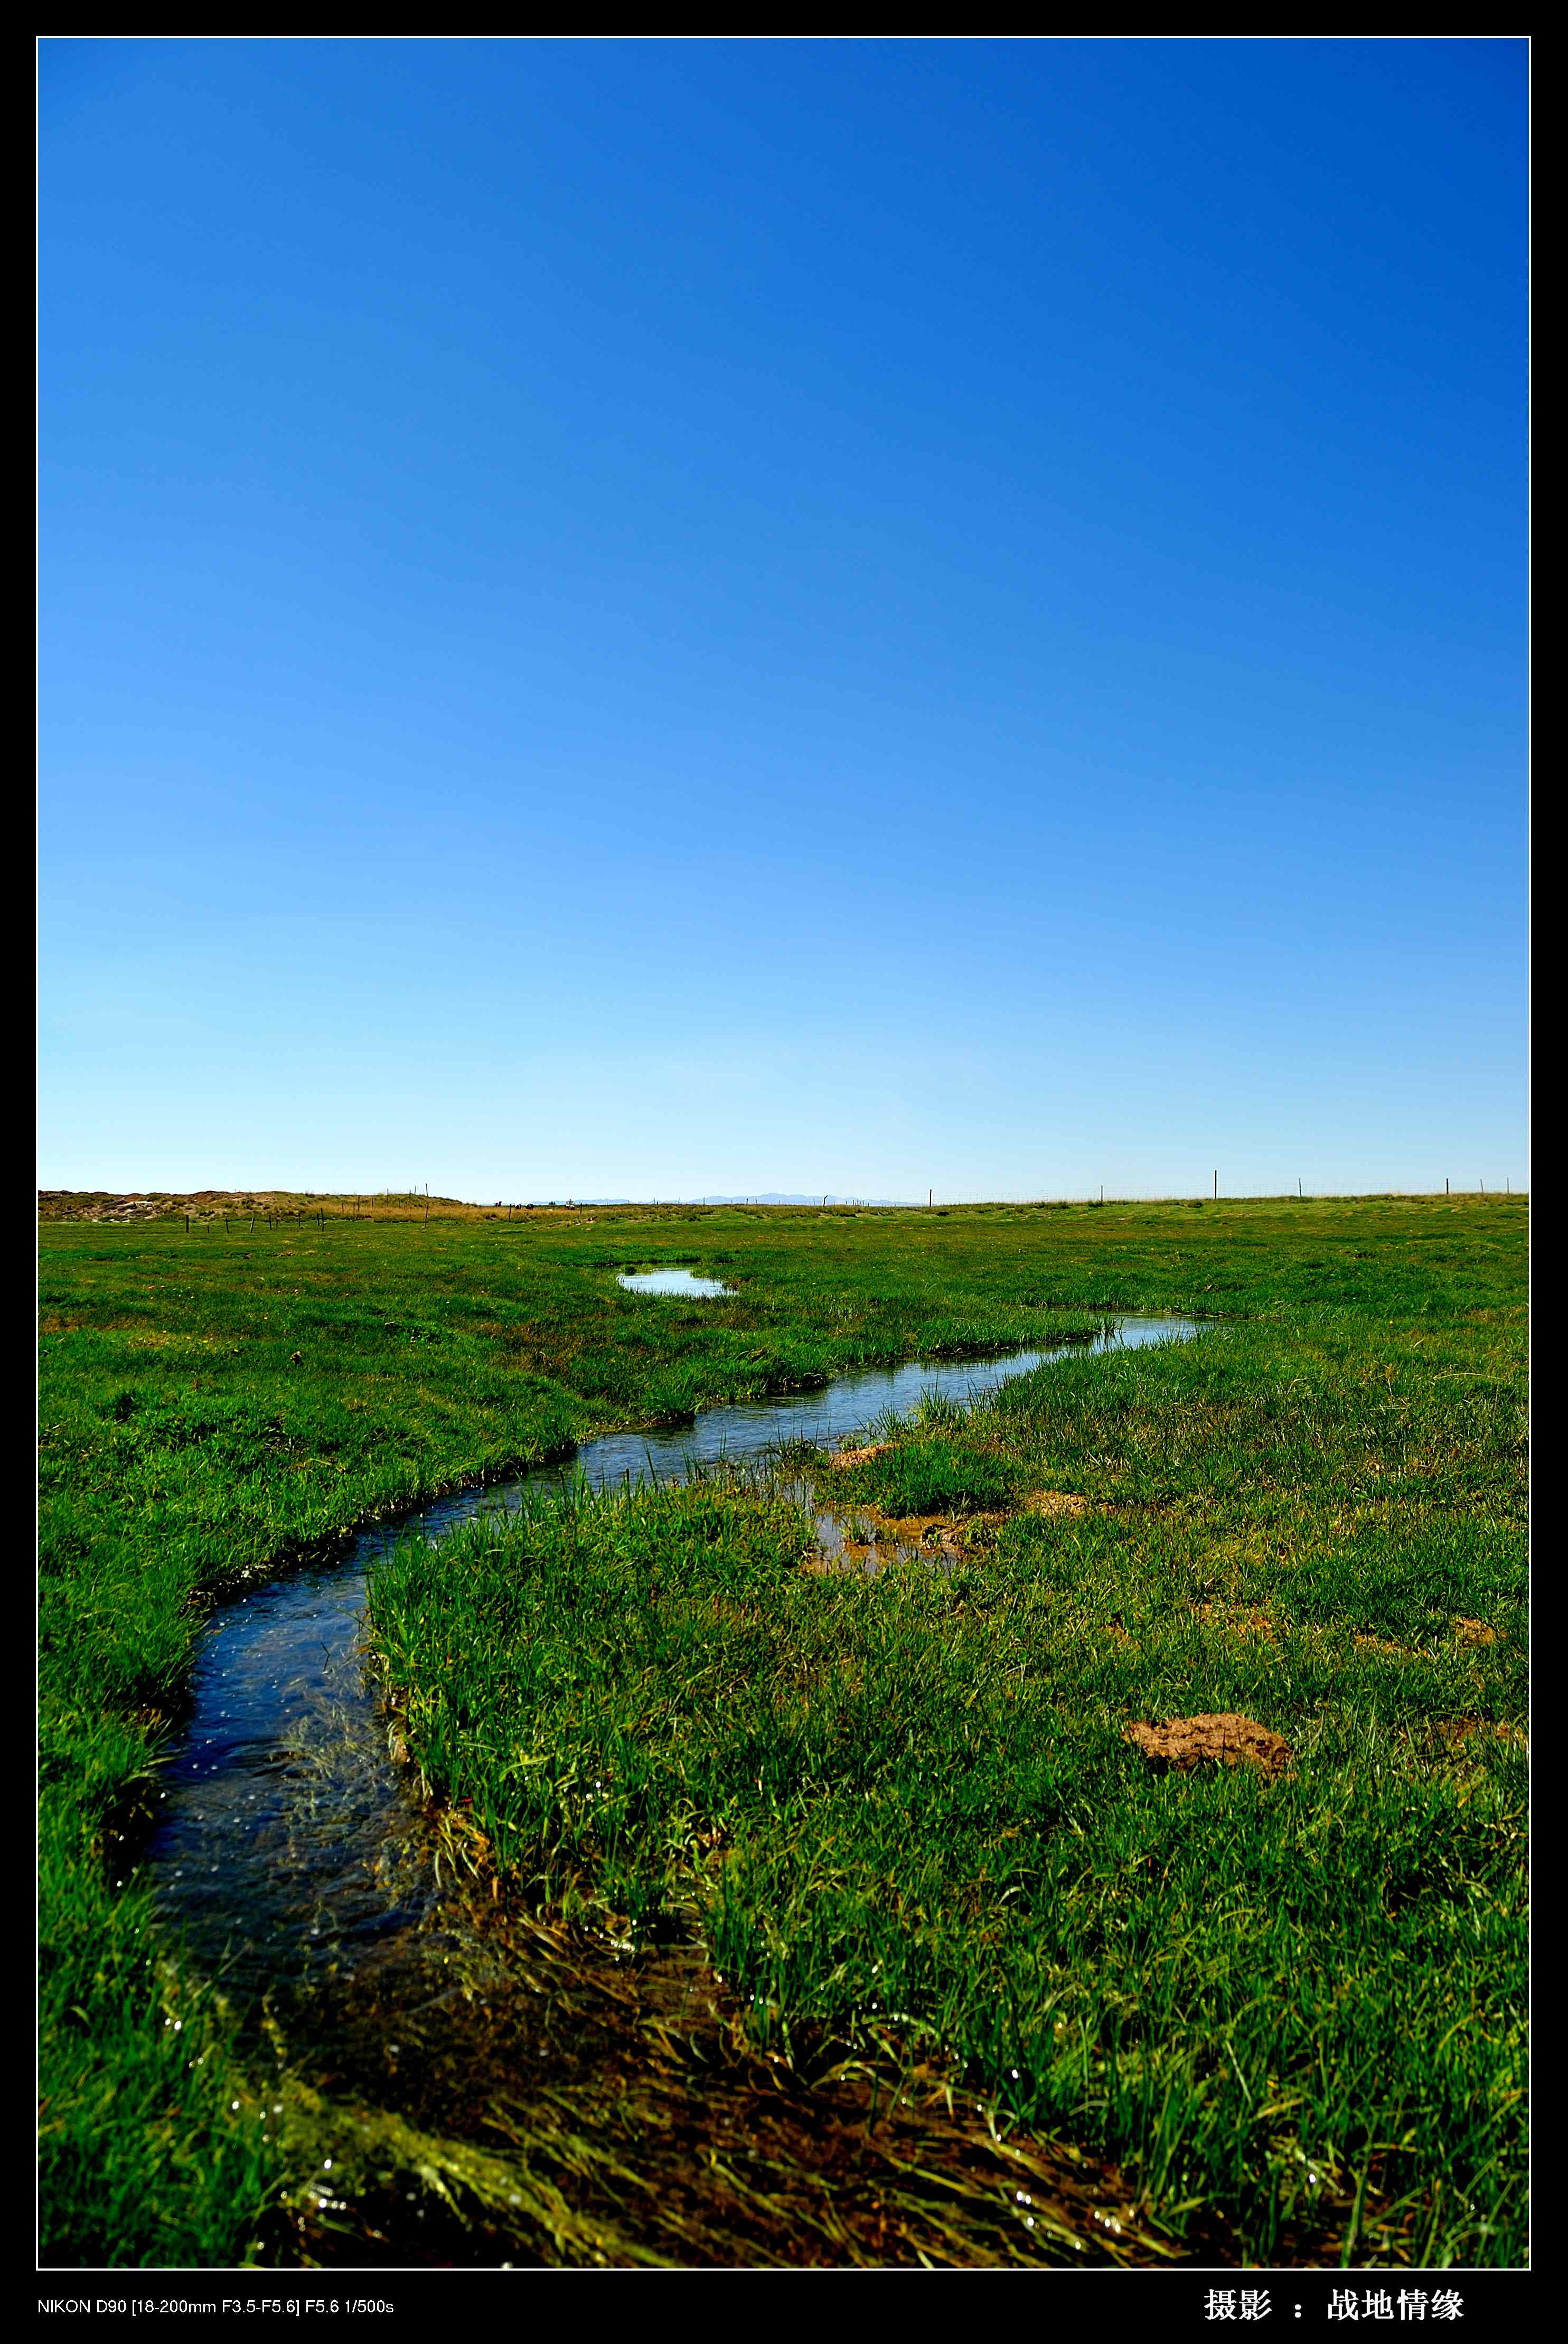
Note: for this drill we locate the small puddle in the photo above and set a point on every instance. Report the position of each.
(671, 1281)
(309, 1882)
(849, 1539)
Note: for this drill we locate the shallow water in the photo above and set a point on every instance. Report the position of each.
(307, 1879)
(743, 1431)
(671, 1281)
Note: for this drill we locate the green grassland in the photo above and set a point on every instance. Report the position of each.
(902, 1810)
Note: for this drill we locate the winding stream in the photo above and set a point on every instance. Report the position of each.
(307, 1879)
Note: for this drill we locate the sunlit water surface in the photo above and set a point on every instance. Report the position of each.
(671, 1281)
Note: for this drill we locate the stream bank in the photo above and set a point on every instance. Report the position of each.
(487, 2087)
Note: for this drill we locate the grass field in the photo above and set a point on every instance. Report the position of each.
(902, 1810)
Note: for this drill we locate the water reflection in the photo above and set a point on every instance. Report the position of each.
(741, 1432)
(671, 1281)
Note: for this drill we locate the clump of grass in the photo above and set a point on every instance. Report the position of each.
(927, 1477)
(145, 2158)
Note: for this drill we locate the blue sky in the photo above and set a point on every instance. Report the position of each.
(642, 618)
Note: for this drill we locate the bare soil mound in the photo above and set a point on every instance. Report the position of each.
(1185, 1743)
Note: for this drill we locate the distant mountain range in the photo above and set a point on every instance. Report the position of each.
(776, 1197)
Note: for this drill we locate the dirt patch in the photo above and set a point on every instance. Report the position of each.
(64, 1204)
(844, 1458)
(1240, 1623)
(1054, 1502)
(1440, 1736)
(1183, 1744)
(1472, 1633)
(1381, 1645)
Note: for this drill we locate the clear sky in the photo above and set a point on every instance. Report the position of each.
(648, 617)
